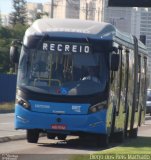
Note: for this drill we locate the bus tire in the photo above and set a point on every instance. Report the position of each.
(133, 133)
(32, 135)
(102, 140)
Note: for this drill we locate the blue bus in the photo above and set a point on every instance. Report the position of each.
(79, 78)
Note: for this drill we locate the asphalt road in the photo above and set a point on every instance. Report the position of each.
(72, 146)
(145, 129)
(7, 126)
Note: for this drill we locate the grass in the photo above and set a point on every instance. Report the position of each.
(7, 106)
(131, 147)
(141, 145)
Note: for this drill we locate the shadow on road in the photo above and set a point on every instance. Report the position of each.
(78, 144)
(89, 144)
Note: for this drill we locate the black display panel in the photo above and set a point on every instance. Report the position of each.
(129, 3)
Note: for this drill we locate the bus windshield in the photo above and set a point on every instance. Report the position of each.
(62, 73)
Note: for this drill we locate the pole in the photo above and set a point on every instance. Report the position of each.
(102, 11)
(52, 8)
(86, 12)
(98, 14)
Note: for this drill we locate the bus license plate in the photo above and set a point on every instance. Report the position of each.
(58, 126)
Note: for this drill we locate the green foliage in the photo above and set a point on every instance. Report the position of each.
(7, 106)
(0, 19)
(18, 31)
(7, 34)
(19, 15)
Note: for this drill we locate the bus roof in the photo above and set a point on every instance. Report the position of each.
(80, 29)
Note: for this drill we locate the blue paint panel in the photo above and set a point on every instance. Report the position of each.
(91, 123)
(7, 87)
(63, 108)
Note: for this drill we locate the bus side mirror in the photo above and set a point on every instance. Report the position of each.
(115, 60)
(14, 54)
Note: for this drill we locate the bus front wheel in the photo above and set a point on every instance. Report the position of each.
(32, 135)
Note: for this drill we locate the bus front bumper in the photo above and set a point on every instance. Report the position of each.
(90, 123)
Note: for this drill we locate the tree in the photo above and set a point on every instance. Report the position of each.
(0, 19)
(19, 15)
(7, 34)
(18, 31)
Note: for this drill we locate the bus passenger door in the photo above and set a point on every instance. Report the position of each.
(143, 88)
(117, 89)
(134, 114)
(126, 91)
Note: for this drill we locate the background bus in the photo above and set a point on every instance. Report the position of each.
(80, 78)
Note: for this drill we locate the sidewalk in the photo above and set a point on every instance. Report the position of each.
(7, 131)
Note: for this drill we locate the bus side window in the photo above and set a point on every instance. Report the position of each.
(125, 70)
(145, 88)
(126, 80)
(144, 81)
(131, 78)
(138, 83)
(118, 83)
(122, 78)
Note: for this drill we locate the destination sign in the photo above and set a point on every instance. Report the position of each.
(129, 3)
(66, 47)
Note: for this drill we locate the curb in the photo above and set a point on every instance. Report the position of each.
(12, 138)
(16, 138)
(6, 111)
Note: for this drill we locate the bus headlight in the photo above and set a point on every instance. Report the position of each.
(97, 107)
(23, 103)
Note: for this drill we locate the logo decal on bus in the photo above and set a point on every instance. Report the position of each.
(64, 91)
(42, 106)
(76, 108)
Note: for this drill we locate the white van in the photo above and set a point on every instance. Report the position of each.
(148, 102)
